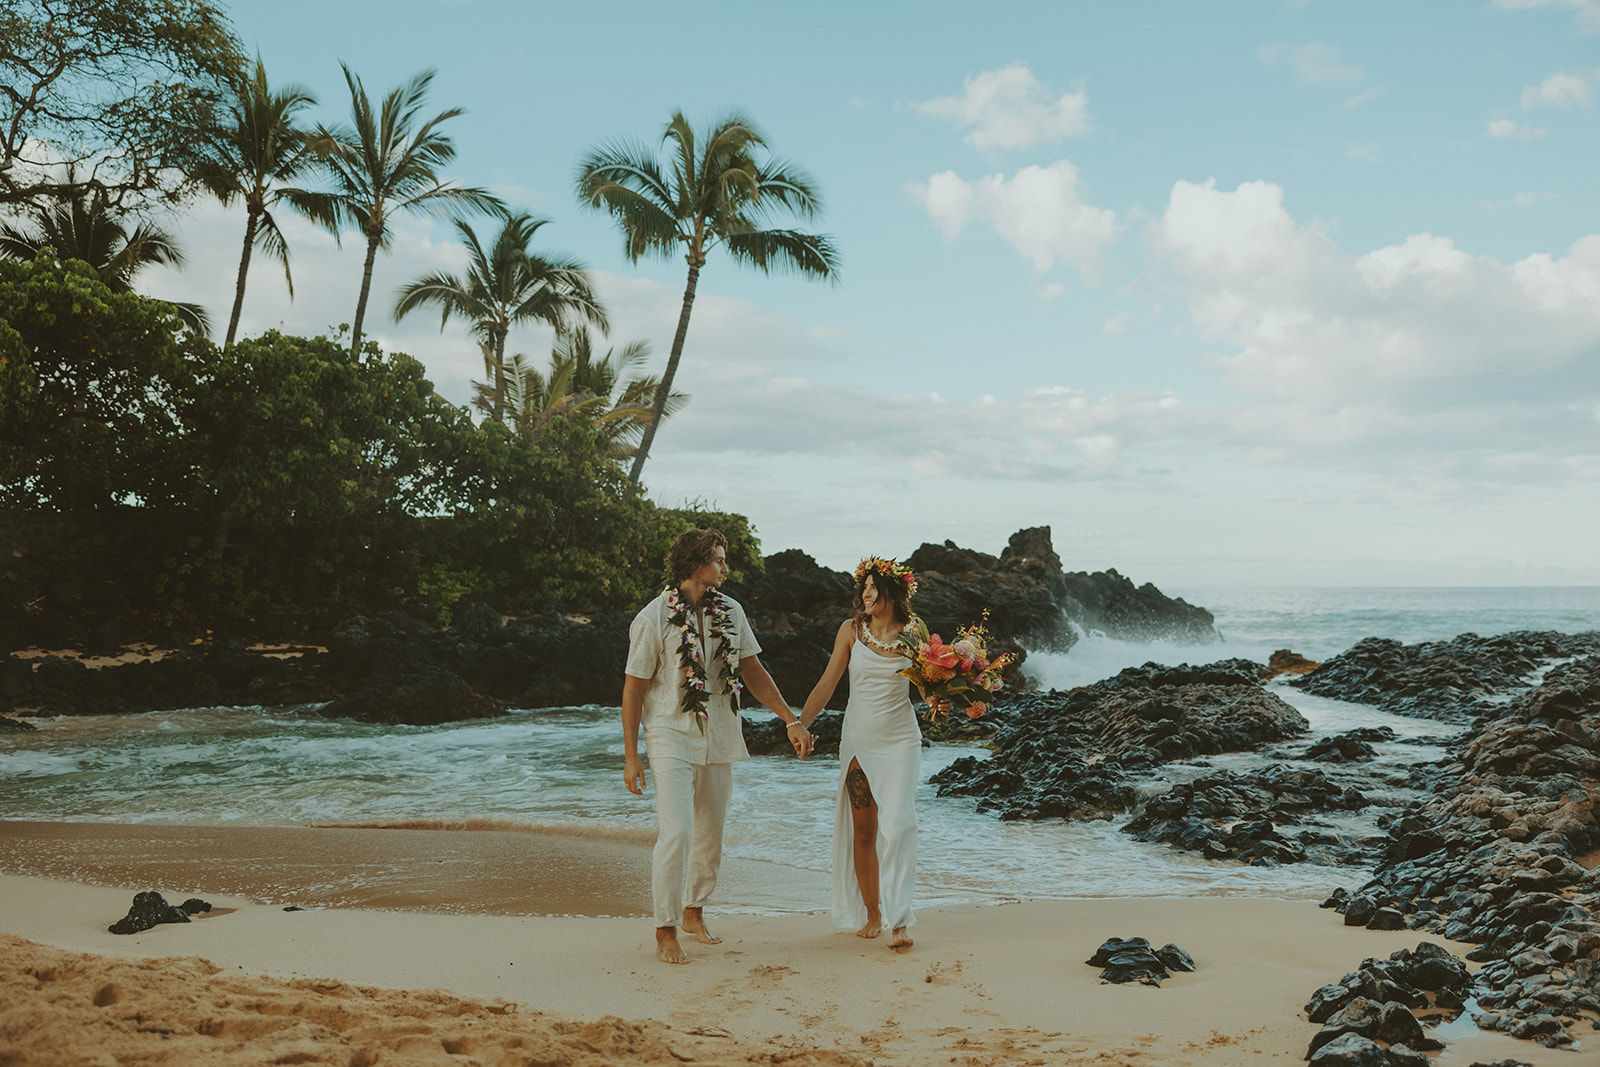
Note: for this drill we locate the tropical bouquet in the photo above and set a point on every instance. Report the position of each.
(960, 671)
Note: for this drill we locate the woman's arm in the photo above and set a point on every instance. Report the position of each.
(822, 692)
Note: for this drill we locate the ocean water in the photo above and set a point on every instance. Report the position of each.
(559, 770)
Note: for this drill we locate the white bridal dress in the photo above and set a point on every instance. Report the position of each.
(880, 733)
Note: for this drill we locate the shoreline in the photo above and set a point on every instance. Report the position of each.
(985, 984)
(489, 871)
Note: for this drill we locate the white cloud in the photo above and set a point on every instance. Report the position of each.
(1039, 211)
(1116, 325)
(1010, 108)
(1509, 130)
(1417, 324)
(1586, 13)
(1366, 153)
(1559, 90)
(1311, 64)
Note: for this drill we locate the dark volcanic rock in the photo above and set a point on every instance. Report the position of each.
(1491, 856)
(202, 676)
(1236, 816)
(151, 909)
(1377, 1000)
(770, 737)
(1110, 603)
(1349, 747)
(1450, 680)
(423, 696)
(797, 606)
(391, 667)
(1349, 1049)
(1133, 960)
(1073, 754)
(15, 726)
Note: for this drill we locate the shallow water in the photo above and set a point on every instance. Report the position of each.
(560, 770)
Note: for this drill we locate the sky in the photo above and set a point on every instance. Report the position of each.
(1266, 294)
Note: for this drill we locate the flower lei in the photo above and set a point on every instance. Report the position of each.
(719, 625)
(887, 568)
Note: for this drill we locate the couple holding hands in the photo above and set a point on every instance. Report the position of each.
(690, 652)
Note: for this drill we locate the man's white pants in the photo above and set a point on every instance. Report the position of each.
(692, 805)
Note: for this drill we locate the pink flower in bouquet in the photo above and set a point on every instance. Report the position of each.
(976, 710)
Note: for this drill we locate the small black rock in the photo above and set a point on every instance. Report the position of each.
(150, 909)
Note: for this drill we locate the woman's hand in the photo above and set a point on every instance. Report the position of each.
(801, 738)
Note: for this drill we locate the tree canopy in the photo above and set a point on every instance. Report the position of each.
(121, 90)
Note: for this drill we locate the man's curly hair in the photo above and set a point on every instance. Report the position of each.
(692, 550)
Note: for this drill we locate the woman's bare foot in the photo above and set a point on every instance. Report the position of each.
(694, 922)
(667, 948)
(900, 939)
(874, 925)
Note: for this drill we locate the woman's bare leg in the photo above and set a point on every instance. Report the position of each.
(864, 819)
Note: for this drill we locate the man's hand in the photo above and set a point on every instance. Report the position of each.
(801, 739)
(633, 775)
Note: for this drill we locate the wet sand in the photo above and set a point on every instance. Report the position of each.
(984, 984)
(458, 871)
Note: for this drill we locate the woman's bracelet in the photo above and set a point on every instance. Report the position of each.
(793, 722)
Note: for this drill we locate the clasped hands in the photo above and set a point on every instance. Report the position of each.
(800, 738)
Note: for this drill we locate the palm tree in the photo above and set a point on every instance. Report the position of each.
(83, 226)
(506, 284)
(577, 385)
(720, 192)
(256, 152)
(384, 162)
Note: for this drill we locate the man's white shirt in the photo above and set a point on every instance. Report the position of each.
(669, 731)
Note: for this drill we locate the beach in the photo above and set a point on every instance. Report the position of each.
(456, 978)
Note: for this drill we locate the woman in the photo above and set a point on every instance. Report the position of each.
(880, 755)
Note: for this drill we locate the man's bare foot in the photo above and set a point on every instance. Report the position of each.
(874, 925)
(900, 939)
(667, 947)
(694, 922)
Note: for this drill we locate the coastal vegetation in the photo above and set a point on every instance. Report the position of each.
(276, 482)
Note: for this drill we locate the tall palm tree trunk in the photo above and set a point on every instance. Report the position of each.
(664, 390)
(500, 375)
(366, 287)
(244, 269)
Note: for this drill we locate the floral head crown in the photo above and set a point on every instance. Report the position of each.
(887, 568)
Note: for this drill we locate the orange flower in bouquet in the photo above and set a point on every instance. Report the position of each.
(959, 671)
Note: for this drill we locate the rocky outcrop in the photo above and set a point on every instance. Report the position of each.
(1108, 602)
(392, 668)
(1239, 816)
(1453, 680)
(796, 606)
(1495, 855)
(1072, 754)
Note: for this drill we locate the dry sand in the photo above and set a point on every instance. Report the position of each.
(252, 983)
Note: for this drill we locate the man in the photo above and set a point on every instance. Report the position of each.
(690, 651)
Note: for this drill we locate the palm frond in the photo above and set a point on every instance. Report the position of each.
(802, 253)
